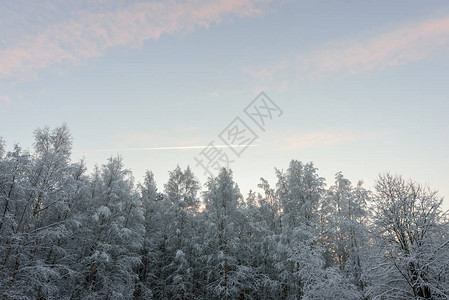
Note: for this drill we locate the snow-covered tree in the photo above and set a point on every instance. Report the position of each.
(68, 234)
(42, 218)
(300, 190)
(222, 240)
(344, 228)
(150, 203)
(413, 242)
(112, 251)
(181, 191)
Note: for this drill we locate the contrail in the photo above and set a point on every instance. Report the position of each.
(166, 148)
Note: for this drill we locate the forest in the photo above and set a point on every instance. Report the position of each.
(70, 233)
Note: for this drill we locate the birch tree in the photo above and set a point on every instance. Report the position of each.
(413, 241)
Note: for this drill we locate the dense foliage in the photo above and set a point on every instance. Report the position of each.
(67, 234)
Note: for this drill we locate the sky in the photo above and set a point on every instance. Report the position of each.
(354, 86)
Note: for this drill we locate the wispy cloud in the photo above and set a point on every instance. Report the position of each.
(406, 44)
(325, 138)
(89, 34)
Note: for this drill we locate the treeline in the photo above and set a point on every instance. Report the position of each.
(67, 234)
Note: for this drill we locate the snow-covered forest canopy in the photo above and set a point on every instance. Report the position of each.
(66, 233)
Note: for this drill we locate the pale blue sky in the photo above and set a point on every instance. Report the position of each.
(363, 84)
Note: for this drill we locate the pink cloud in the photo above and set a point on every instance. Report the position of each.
(90, 34)
(401, 46)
